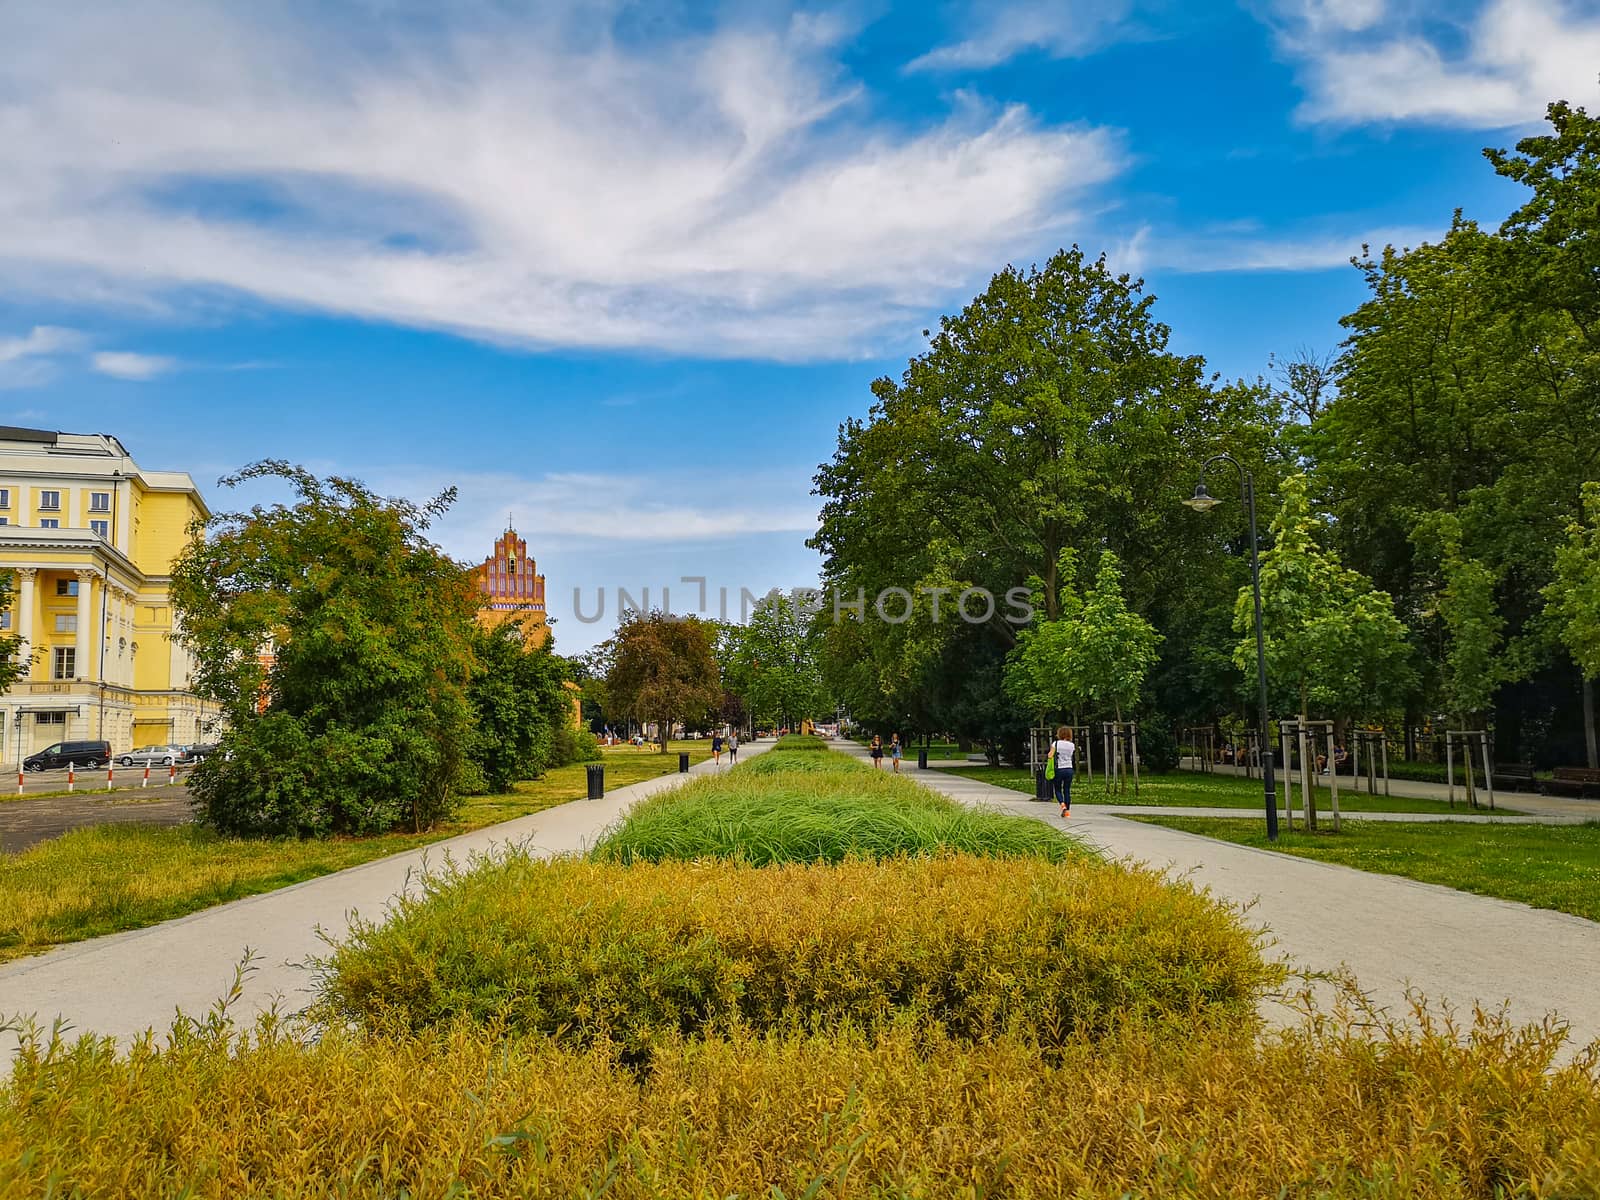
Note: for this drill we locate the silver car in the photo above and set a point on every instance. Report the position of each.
(151, 756)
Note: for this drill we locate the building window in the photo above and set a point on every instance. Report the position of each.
(49, 501)
(66, 622)
(5, 497)
(5, 520)
(55, 718)
(5, 618)
(66, 663)
(99, 501)
(103, 528)
(48, 523)
(66, 587)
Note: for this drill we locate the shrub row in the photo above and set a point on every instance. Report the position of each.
(785, 807)
(590, 951)
(801, 741)
(1316, 1112)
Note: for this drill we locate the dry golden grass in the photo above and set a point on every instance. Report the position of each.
(1325, 1110)
(590, 950)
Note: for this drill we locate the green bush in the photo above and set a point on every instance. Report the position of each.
(1158, 749)
(575, 745)
(586, 951)
(771, 810)
(801, 741)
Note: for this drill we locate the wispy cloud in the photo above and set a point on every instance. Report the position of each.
(1232, 250)
(530, 180)
(1488, 65)
(123, 364)
(997, 32)
(32, 358)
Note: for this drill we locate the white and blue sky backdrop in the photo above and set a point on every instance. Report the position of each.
(622, 268)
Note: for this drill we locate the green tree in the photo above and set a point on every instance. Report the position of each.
(1574, 595)
(662, 670)
(1333, 642)
(359, 721)
(519, 705)
(773, 662)
(1115, 647)
(1474, 660)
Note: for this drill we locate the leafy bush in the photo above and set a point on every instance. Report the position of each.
(1321, 1110)
(588, 951)
(1158, 750)
(771, 809)
(575, 745)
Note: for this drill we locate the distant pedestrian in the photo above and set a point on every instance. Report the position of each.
(1064, 752)
(733, 746)
(877, 751)
(716, 748)
(894, 751)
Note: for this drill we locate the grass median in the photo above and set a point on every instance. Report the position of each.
(1545, 866)
(111, 878)
(1193, 789)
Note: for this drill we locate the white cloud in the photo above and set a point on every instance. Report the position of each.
(1002, 30)
(1506, 60)
(724, 193)
(31, 359)
(1229, 250)
(122, 364)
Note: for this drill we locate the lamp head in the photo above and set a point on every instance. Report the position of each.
(1202, 500)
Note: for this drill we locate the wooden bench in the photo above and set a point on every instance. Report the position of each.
(1514, 777)
(1574, 781)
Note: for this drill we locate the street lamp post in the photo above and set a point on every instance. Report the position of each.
(1204, 501)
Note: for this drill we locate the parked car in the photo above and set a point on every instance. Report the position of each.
(193, 754)
(79, 754)
(151, 756)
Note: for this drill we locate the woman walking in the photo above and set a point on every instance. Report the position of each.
(877, 751)
(1064, 751)
(894, 751)
(716, 747)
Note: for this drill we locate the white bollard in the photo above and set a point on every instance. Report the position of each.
(146, 782)
(72, 777)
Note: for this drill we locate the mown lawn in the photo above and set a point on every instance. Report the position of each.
(1191, 789)
(112, 878)
(1546, 866)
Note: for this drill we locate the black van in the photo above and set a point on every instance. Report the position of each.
(82, 754)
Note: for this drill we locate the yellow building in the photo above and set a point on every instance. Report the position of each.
(88, 538)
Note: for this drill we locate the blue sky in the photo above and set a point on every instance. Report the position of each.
(621, 269)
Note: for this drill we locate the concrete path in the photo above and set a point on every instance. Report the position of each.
(1392, 933)
(28, 822)
(129, 982)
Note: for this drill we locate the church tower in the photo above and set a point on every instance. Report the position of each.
(512, 587)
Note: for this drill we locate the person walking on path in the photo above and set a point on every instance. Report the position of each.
(894, 751)
(1064, 751)
(733, 746)
(716, 748)
(877, 751)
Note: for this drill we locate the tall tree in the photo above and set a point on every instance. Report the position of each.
(1333, 642)
(12, 667)
(773, 660)
(358, 722)
(663, 670)
(1574, 595)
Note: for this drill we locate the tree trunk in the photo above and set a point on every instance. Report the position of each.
(1588, 724)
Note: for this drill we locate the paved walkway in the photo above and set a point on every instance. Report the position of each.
(1392, 933)
(29, 821)
(129, 982)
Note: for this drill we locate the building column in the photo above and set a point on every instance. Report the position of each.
(83, 668)
(27, 582)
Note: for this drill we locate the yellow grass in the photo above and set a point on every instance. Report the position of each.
(1319, 1111)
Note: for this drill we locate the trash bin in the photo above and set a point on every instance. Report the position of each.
(597, 780)
(922, 758)
(683, 761)
(1041, 785)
